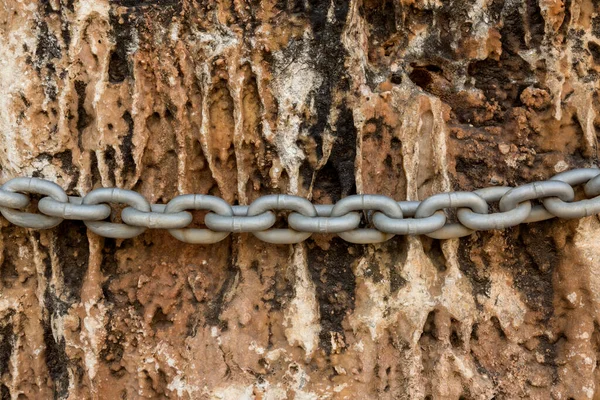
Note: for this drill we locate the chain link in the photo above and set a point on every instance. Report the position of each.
(382, 216)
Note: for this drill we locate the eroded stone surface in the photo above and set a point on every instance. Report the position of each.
(321, 99)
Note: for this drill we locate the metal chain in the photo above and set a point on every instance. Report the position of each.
(384, 217)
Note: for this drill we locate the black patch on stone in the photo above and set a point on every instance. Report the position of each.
(336, 177)
(137, 4)
(83, 119)
(595, 51)
(531, 258)
(109, 267)
(113, 350)
(119, 66)
(94, 171)
(397, 282)
(8, 271)
(331, 272)
(55, 355)
(111, 162)
(126, 146)
(381, 19)
(329, 54)
(596, 26)
(501, 81)
(536, 23)
(66, 162)
(72, 249)
(213, 311)
(4, 393)
(48, 47)
(479, 280)
(7, 339)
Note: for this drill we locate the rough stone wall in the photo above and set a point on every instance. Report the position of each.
(240, 98)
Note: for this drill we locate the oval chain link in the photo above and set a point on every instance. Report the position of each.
(366, 202)
(32, 186)
(198, 202)
(114, 195)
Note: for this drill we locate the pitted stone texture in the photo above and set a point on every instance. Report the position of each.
(321, 99)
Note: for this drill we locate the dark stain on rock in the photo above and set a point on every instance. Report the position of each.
(381, 17)
(66, 163)
(7, 339)
(72, 250)
(83, 119)
(531, 258)
(374, 272)
(94, 171)
(126, 146)
(336, 177)
(213, 311)
(433, 249)
(48, 47)
(596, 26)
(594, 49)
(109, 267)
(328, 54)
(112, 351)
(4, 392)
(550, 352)
(141, 4)
(479, 279)
(56, 357)
(119, 66)
(332, 274)
(111, 163)
(397, 282)
(536, 23)
(8, 270)
(501, 81)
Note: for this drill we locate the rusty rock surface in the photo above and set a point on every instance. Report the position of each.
(241, 98)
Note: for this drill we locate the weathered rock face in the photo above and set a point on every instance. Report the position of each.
(317, 98)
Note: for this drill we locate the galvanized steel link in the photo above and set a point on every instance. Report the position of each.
(199, 202)
(32, 186)
(366, 202)
(387, 216)
(115, 195)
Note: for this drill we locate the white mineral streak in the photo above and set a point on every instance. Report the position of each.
(293, 82)
(370, 313)
(301, 322)
(586, 240)
(504, 302)
(15, 78)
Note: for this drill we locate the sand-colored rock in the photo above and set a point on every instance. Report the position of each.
(321, 99)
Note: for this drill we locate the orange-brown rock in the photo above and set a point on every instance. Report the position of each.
(322, 99)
